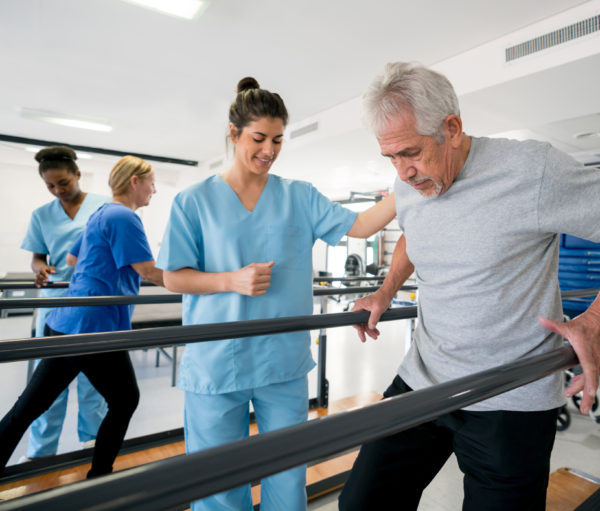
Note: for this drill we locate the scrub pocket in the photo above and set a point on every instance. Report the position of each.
(288, 246)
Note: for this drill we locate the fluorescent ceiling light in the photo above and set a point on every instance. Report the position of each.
(80, 155)
(66, 120)
(187, 9)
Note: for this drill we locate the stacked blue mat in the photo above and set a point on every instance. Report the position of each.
(578, 268)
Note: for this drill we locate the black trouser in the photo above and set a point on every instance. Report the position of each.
(505, 458)
(113, 377)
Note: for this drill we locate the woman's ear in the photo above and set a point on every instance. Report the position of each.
(233, 133)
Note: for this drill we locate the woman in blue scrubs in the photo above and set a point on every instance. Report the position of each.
(239, 246)
(53, 229)
(111, 256)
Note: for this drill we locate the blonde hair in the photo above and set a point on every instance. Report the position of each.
(124, 170)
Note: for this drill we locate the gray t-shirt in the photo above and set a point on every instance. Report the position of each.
(486, 258)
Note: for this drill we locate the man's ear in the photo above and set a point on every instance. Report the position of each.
(454, 129)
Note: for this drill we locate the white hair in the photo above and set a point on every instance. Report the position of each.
(410, 87)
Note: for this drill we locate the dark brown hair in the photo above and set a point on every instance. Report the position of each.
(252, 103)
(56, 157)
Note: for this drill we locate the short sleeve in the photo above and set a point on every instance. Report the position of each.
(34, 238)
(127, 238)
(182, 242)
(330, 220)
(74, 250)
(569, 197)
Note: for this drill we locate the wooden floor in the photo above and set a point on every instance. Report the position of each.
(315, 473)
(566, 490)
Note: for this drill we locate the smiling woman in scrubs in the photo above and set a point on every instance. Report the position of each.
(53, 229)
(239, 246)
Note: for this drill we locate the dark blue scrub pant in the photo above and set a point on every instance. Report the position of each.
(110, 373)
(504, 455)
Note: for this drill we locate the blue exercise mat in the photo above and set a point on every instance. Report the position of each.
(580, 261)
(577, 283)
(575, 252)
(573, 305)
(583, 277)
(579, 269)
(568, 241)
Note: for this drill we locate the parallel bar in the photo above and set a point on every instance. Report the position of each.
(177, 481)
(322, 382)
(347, 279)
(578, 293)
(332, 291)
(80, 344)
(78, 301)
(28, 284)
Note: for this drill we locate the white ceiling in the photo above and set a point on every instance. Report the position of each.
(165, 84)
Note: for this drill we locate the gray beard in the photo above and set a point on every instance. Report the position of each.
(436, 193)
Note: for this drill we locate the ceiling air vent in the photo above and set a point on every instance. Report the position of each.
(304, 130)
(215, 164)
(562, 35)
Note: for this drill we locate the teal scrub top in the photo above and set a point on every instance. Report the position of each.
(210, 230)
(52, 232)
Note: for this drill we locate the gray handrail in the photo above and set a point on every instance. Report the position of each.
(80, 301)
(177, 481)
(29, 284)
(6, 284)
(79, 344)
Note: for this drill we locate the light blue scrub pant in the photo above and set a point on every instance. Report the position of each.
(214, 419)
(46, 429)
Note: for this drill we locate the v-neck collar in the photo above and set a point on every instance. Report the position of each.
(78, 211)
(237, 198)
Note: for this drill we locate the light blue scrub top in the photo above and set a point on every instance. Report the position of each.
(52, 232)
(210, 230)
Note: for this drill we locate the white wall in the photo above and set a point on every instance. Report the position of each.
(23, 190)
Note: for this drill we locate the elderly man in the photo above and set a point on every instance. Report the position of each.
(480, 218)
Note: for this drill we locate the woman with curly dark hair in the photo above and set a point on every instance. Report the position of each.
(53, 229)
(111, 256)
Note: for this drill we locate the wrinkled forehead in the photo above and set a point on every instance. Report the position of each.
(404, 123)
(397, 134)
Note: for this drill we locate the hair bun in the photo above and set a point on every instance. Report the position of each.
(247, 83)
(55, 153)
